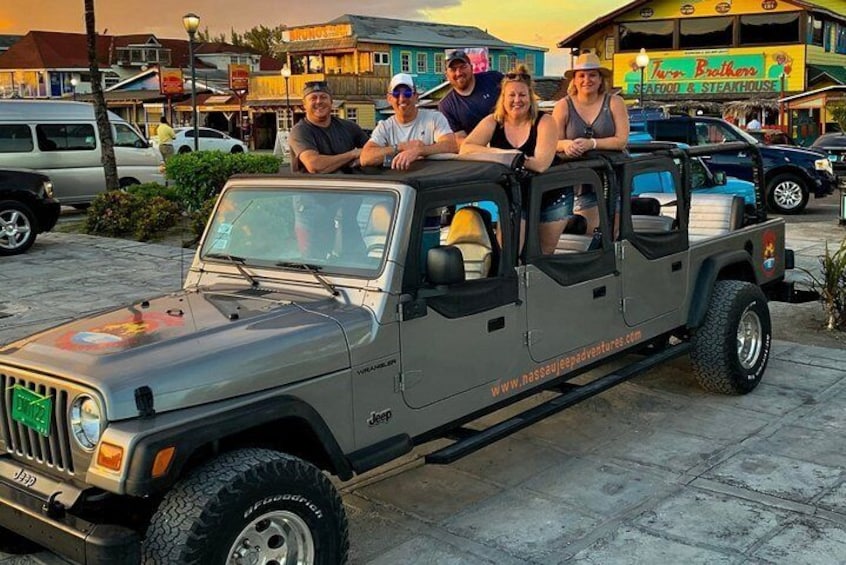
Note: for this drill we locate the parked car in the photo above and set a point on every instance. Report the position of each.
(27, 208)
(791, 174)
(60, 139)
(769, 136)
(210, 140)
(835, 145)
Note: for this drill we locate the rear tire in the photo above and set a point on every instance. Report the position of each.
(730, 350)
(250, 506)
(237, 149)
(787, 194)
(184, 149)
(18, 227)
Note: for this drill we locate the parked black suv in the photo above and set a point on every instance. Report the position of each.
(791, 174)
(835, 145)
(27, 208)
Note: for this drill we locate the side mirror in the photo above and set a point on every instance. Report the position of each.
(719, 178)
(444, 265)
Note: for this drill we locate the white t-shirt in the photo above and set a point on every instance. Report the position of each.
(428, 127)
(753, 124)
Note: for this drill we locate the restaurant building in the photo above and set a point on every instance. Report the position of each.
(720, 55)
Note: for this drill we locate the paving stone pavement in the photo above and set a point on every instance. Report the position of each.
(652, 471)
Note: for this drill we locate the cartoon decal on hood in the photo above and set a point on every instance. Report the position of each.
(136, 329)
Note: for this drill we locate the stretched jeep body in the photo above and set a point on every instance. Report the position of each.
(333, 322)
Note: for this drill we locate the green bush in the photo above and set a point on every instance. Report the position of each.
(153, 216)
(149, 190)
(201, 175)
(111, 213)
(118, 213)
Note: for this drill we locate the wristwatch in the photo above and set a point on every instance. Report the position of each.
(396, 148)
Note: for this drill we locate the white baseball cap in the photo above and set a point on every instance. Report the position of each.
(401, 78)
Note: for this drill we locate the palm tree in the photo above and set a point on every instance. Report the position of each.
(100, 110)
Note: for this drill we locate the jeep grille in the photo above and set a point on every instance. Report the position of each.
(53, 451)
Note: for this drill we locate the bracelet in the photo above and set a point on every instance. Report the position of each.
(594, 142)
(396, 148)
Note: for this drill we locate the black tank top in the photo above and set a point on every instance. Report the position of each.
(500, 141)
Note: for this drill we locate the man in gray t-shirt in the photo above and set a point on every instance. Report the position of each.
(410, 134)
(322, 143)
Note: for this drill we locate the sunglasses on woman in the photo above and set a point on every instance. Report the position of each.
(518, 76)
(588, 132)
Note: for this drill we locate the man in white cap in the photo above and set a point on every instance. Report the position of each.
(473, 96)
(323, 143)
(410, 134)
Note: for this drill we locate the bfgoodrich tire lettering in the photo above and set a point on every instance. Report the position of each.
(731, 348)
(250, 506)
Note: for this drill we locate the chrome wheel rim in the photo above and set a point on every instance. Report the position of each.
(749, 339)
(787, 194)
(14, 229)
(275, 538)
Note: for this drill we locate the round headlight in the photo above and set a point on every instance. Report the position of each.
(85, 421)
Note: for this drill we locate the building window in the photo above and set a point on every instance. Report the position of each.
(706, 32)
(503, 64)
(840, 41)
(405, 61)
(769, 29)
(381, 58)
(284, 119)
(649, 35)
(352, 114)
(815, 31)
(439, 63)
(529, 61)
(610, 48)
(422, 63)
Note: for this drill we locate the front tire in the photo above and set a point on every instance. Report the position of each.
(250, 506)
(730, 350)
(18, 227)
(787, 194)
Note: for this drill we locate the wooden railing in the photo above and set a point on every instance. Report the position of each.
(267, 87)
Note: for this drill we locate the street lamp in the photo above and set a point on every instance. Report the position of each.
(74, 81)
(286, 74)
(642, 60)
(191, 22)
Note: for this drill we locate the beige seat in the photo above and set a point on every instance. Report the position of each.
(470, 235)
(714, 214)
(376, 230)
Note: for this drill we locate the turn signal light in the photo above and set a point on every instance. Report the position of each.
(110, 456)
(162, 461)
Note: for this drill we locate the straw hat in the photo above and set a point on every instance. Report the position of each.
(587, 62)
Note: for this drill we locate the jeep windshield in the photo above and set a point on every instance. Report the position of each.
(325, 231)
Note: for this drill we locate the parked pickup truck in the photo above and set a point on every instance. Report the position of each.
(330, 323)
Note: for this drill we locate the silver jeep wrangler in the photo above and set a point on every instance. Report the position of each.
(329, 324)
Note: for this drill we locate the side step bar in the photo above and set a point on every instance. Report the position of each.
(469, 441)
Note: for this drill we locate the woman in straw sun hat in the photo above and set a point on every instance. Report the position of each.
(589, 118)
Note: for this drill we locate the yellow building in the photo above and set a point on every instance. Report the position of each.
(719, 52)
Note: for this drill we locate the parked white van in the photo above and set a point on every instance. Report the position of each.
(60, 139)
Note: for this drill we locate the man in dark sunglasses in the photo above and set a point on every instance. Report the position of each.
(410, 134)
(323, 143)
(473, 96)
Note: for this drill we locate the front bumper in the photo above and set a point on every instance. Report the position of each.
(48, 214)
(61, 532)
(824, 184)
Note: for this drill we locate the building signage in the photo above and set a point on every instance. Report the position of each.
(320, 32)
(715, 71)
(698, 8)
(170, 82)
(239, 78)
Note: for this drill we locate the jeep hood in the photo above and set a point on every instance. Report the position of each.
(191, 347)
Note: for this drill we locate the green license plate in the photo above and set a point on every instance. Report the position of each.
(32, 409)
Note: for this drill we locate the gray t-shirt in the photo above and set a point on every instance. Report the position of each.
(338, 137)
(428, 127)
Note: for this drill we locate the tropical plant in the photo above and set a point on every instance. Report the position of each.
(831, 285)
(837, 111)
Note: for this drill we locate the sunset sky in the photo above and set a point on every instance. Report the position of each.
(534, 22)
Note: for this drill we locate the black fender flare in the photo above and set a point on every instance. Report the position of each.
(708, 273)
(197, 433)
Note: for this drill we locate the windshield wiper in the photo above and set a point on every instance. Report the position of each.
(234, 260)
(311, 269)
